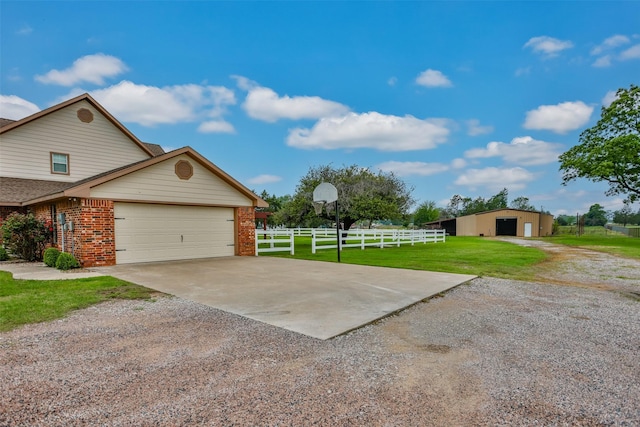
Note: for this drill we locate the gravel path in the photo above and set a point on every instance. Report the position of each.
(492, 352)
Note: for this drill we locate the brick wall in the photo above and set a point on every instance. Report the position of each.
(92, 240)
(97, 232)
(246, 231)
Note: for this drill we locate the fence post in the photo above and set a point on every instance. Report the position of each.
(313, 241)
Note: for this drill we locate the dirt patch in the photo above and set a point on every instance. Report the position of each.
(581, 267)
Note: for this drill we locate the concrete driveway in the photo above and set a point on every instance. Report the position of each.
(319, 299)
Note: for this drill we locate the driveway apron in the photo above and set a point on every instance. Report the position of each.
(318, 299)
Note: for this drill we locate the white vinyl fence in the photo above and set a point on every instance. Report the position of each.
(277, 240)
(377, 238)
(282, 240)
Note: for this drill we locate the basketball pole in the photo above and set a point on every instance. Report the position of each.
(338, 230)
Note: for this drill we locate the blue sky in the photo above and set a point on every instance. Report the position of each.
(454, 97)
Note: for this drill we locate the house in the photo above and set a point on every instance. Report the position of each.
(499, 222)
(121, 200)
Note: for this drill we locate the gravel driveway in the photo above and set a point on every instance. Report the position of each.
(492, 352)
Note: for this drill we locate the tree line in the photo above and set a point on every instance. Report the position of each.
(366, 196)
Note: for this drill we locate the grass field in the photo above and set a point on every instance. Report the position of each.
(32, 301)
(467, 255)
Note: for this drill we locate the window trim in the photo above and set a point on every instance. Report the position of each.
(51, 154)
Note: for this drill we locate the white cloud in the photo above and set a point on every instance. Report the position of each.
(433, 78)
(412, 168)
(216, 126)
(495, 178)
(609, 50)
(609, 97)
(371, 130)
(474, 128)
(151, 105)
(632, 53)
(392, 81)
(523, 71)
(15, 108)
(244, 83)
(560, 118)
(264, 179)
(90, 68)
(265, 104)
(548, 46)
(458, 163)
(610, 43)
(602, 62)
(522, 150)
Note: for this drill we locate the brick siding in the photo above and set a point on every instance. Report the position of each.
(92, 240)
(246, 231)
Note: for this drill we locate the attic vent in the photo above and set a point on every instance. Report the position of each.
(85, 115)
(184, 170)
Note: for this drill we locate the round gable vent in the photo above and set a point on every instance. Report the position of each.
(85, 115)
(184, 170)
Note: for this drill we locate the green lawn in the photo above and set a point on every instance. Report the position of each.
(467, 255)
(32, 301)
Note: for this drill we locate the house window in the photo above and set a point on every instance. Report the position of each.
(60, 163)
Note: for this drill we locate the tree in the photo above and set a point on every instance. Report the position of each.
(454, 208)
(461, 206)
(522, 203)
(362, 195)
(624, 215)
(276, 206)
(596, 216)
(499, 201)
(425, 212)
(566, 219)
(610, 150)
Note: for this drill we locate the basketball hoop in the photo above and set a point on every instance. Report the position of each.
(317, 206)
(326, 194)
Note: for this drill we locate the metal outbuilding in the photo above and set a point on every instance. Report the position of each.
(501, 222)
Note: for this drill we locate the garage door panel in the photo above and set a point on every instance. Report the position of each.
(146, 232)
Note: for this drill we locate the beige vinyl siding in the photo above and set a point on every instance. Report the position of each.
(93, 148)
(159, 183)
(146, 233)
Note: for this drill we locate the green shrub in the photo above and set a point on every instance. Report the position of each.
(25, 235)
(50, 257)
(66, 261)
(3, 254)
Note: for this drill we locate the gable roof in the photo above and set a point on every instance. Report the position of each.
(24, 192)
(156, 149)
(4, 122)
(9, 125)
(14, 191)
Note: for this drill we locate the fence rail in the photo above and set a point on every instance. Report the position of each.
(276, 240)
(631, 232)
(373, 238)
(283, 240)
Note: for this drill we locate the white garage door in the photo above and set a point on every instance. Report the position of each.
(146, 232)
